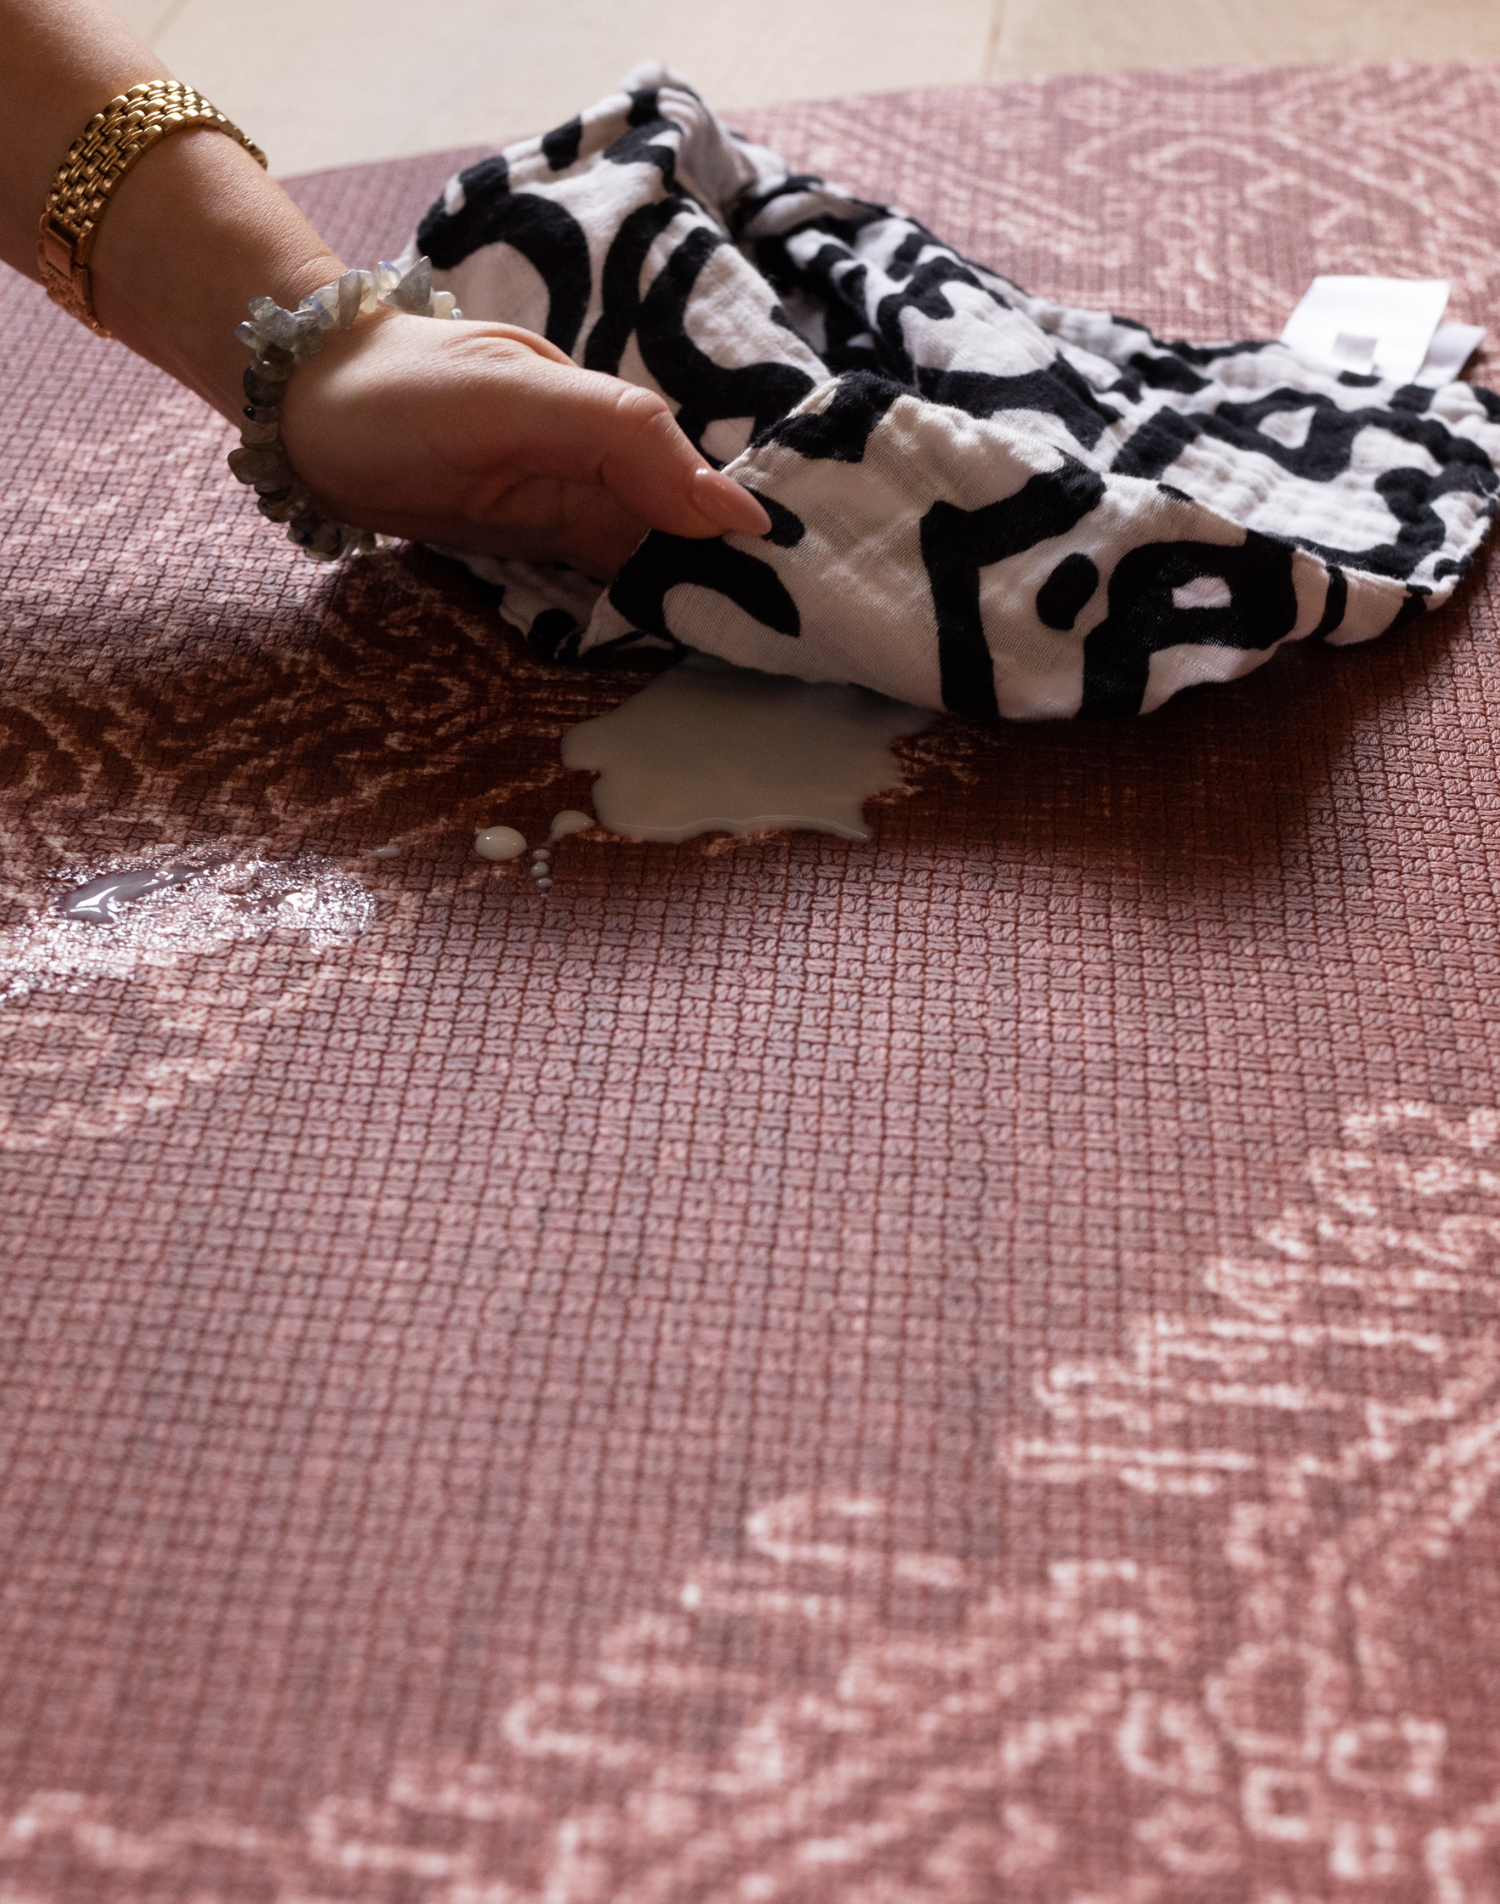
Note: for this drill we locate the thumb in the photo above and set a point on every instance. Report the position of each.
(651, 467)
(586, 427)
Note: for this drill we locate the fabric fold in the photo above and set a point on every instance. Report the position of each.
(982, 501)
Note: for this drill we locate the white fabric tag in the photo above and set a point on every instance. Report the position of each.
(1451, 348)
(1379, 325)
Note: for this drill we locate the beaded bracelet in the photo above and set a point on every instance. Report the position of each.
(280, 340)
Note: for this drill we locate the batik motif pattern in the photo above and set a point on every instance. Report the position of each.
(981, 501)
(830, 1716)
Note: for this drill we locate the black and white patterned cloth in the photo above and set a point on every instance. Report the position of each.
(982, 501)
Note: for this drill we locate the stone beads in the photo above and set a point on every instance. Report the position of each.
(278, 341)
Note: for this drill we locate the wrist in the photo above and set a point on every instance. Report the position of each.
(281, 341)
(193, 232)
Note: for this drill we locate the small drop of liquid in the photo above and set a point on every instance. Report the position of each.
(570, 820)
(499, 842)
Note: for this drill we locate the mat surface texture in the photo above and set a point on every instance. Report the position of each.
(788, 1373)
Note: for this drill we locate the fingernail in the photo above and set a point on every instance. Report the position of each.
(723, 501)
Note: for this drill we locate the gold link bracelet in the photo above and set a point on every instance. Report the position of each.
(112, 142)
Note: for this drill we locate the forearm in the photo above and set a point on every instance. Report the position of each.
(476, 435)
(192, 232)
(175, 297)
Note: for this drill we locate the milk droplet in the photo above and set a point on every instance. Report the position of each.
(570, 820)
(387, 852)
(544, 885)
(499, 842)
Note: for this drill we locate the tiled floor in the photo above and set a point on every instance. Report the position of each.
(327, 82)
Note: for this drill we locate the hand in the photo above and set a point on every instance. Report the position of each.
(487, 437)
(480, 436)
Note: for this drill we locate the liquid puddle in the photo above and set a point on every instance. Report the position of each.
(110, 923)
(709, 748)
(102, 901)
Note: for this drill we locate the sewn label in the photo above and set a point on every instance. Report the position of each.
(1451, 348)
(1379, 326)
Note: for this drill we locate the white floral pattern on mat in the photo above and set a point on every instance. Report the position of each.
(832, 1716)
(214, 903)
(119, 1035)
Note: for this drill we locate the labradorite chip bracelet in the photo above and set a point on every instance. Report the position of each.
(279, 340)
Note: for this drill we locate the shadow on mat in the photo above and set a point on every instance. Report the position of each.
(407, 709)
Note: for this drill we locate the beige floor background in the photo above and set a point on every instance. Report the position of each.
(328, 82)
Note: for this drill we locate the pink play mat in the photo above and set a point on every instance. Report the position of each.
(955, 1371)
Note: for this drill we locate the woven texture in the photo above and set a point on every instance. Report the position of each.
(788, 1373)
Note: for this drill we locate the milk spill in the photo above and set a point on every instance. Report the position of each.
(711, 748)
(113, 921)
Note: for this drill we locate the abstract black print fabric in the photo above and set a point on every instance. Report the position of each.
(981, 501)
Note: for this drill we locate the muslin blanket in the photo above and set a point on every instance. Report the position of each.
(981, 500)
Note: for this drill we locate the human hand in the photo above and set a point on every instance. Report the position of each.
(479, 436)
(486, 437)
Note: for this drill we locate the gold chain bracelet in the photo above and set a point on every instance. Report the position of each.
(101, 155)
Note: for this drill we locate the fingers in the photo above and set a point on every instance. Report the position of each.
(582, 427)
(483, 423)
(726, 502)
(650, 467)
